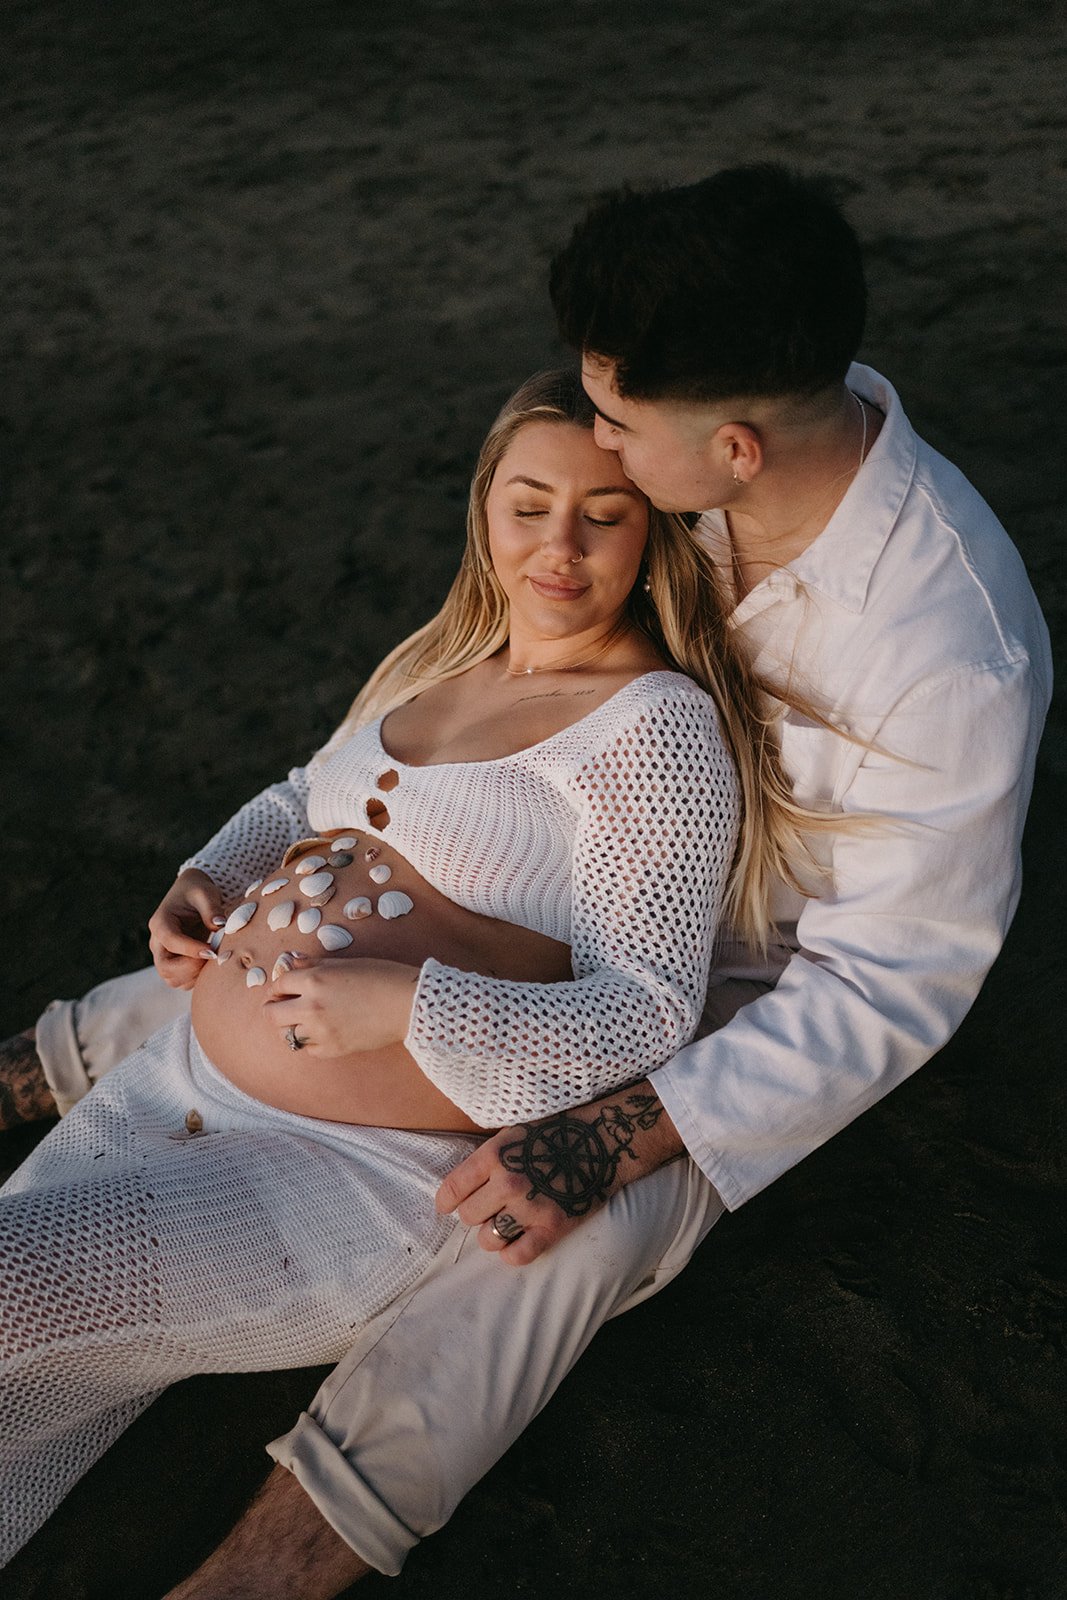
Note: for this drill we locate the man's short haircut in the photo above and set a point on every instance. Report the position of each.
(747, 283)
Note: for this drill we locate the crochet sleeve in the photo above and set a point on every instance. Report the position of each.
(658, 814)
(257, 836)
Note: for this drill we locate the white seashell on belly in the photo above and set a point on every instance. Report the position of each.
(223, 956)
(274, 885)
(317, 882)
(281, 915)
(381, 873)
(254, 977)
(252, 887)
(310, 864)
(240, 916)
(215, 939)
(331, 937)
(309, 920)
(284, 963)
(394, 903)
(358, 907)
(349, 842)
(325, 897)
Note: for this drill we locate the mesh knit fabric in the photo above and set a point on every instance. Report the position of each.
(615, 836)
(132, 1255)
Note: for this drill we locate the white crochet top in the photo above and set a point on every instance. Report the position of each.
(616, 836)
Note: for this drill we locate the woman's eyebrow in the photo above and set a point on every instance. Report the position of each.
(546, 488)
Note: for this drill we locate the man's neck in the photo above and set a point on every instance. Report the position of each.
(807, 474)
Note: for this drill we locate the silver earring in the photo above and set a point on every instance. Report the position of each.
(736, 478)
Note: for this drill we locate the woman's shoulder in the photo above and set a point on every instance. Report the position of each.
(662, 709)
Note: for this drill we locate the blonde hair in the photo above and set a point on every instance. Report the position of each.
(678, 602)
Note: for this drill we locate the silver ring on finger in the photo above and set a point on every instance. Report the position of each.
(506, 1227)
(293, 1039)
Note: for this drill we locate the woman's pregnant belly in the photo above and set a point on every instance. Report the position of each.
(345, 895)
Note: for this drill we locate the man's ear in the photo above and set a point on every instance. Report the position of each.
(737, 448)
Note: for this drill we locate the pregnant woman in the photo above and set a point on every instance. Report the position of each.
(492, 895)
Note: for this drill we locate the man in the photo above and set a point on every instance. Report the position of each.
(717, 325)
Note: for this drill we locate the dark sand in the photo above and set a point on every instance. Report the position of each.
(268, 271)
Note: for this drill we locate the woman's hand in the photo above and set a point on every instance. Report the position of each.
(187, 913)
(337, 1005)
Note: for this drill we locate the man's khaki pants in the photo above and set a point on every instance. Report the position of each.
(440, 1383)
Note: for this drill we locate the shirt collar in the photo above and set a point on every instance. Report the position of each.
(839, 563)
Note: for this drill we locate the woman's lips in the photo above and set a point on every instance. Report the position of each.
(556, 588)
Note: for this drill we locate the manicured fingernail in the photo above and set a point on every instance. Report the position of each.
(218, 922)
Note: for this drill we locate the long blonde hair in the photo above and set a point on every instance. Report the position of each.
(677, 601)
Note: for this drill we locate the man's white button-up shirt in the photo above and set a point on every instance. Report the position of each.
(910, 620)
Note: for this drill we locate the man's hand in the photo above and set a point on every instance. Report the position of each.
(537, 1181)
(179, 927)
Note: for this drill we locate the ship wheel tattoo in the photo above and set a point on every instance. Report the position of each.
(574, 1162)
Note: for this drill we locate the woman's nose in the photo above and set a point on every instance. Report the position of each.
(562, 539)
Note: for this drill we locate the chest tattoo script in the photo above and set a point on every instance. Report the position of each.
(556, 694)
(574, 1162)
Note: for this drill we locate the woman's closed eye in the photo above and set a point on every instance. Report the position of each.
(597, 522)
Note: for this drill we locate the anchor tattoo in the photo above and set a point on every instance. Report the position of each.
(574, 1162)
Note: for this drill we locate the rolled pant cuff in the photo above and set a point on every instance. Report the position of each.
(343, 1498)
(59, 1053)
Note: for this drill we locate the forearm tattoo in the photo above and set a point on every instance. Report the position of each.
(24, 1092)
(574, 1162)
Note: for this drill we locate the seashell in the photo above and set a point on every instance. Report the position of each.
(215, 939)
(301, 844)
(360, 906)
(316, 883)
(194, 1122)
(372, 853)
(239, 917)
(332, 937)
(310, 864)
(394, 903)
(274, 885)
(349, 842)
(309, 920)
(223, 956)
(281, 915)
(340, 858)
(325, 897)
(284, 963)
(252, 887)
(381, 874)
(254, 977)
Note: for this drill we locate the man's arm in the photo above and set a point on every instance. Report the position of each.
(538, 1180)
(892, 956)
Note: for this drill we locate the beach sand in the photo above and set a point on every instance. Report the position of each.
(267, 273)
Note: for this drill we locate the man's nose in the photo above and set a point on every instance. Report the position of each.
(604, 434)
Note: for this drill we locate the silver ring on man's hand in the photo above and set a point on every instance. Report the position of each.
(506, 1228)
(293, 1040)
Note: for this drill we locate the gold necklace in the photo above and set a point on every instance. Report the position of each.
(572, 666)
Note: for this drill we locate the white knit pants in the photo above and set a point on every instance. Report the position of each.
(133, 1255)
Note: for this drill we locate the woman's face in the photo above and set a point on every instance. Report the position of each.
(567, 530)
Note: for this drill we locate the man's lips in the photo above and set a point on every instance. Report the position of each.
(554, 588)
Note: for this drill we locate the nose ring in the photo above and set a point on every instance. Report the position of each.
(574, 560)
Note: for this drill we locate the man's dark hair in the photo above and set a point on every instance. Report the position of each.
(747, 283)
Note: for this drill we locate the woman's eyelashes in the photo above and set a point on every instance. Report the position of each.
(542, 511)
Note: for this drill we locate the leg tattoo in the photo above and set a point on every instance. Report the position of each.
(574, 1162)
(24, 1092)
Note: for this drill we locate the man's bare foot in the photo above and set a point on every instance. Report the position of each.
(282, 1547)
(24, 1092)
